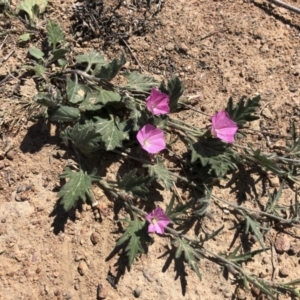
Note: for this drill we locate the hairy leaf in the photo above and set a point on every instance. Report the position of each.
(110, 70)
(33, 8)
(190, 254)
(47, 99)
(265, 161)
(85, 138)
(174, 89)
(76, 92)
(36, 53)
(91, 58)
(54, 34)
(134, 185)
(77, 187)
(137, 115)
(161, 174)
(243, 257)
(273, 199)
(137, 237)
(58, 54)
(180, 209)
(139, 82)
(294, 146)
(64, 113)
(243, 112)
(112, 131)
(255, 226)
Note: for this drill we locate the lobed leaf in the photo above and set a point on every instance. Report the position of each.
(64, 113)
(243, 112)
(161, 174)
(77, 187)
(55, 34)
(137, 238)
(85, 138)
(174, 89)
(139, 82)
(134, 185)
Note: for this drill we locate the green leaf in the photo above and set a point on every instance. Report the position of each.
(64, 113)
(243, 257)
(108, 97)
(243, 112)
(180, 209)
(39, 70)
(137, 237)
(54, 34)
(78, 186)
(24, 37)
(133, 185)
(255, 226)
(91, 101)
(76, 92)
(265, 161)
(110, 70)
(161, 174)
(112, 131)
(36, 53)
(206, 149)
(91, 58)
(58, 53)
(28, 6)
(190, 254)
(85, 138)
(273, 199)
(138, 116)
(139, 82)
(294, 147)
(174, 89)
(47, 99)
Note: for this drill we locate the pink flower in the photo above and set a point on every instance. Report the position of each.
(158, 221)
(223, 127)
(158, 102)
(151, 139)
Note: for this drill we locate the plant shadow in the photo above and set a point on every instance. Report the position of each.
(179, 267)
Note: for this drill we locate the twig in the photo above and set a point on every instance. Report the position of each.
(3, 42)
(285, 5)
(5, 58)
(131, 52)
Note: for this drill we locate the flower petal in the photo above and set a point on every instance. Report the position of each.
(158, 103)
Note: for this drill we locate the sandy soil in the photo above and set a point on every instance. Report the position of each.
(219, 49)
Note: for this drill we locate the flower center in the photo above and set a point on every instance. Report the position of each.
(146, 143)
(154, 220)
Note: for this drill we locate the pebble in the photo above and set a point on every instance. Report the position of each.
(82, 267)
(240, 294)
(267, 113)
(284, 272)
(2, 165)
(282, 243)
(170, 47)
(95, 238)
(137, 292)
(102, 291)
(274, 182)
(2, 154)
(10, 154)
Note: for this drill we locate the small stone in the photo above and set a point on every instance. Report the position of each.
(2, 165)
(2, 154)
(284, 272)
(282, 243)
(274, 182)
(55, 274)
(183, 47)
(76, 287)
(240, 294)
(82, 267)
(95, 238)
(267, 113)
(137, 292)
(57, 293)
(38, 271)
(10, 154)
(170, 47)
(102, 291)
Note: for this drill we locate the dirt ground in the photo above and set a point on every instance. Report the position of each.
(219, 49)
